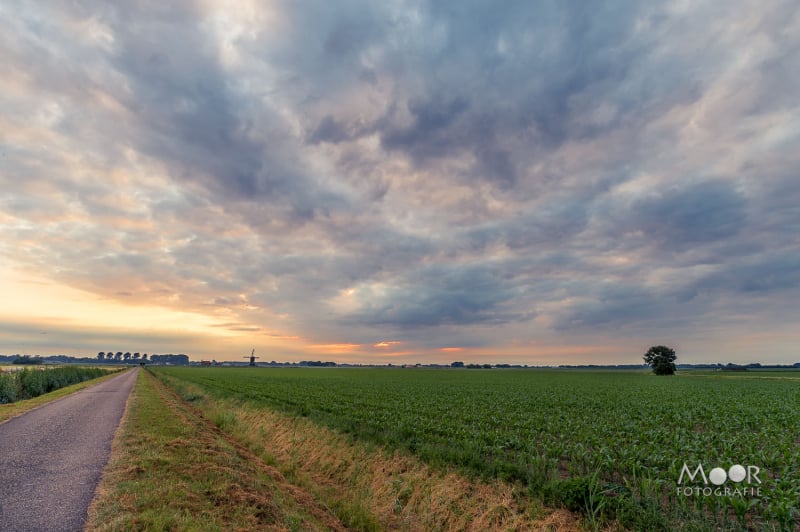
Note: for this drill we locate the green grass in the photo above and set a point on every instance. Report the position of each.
(171, 470)
(608, 443)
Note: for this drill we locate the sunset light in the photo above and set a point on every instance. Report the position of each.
(404, 181)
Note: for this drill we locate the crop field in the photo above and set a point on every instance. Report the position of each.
(617, 446)
(24, 383)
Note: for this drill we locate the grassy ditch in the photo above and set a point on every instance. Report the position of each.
(172, 470)
(367, 486)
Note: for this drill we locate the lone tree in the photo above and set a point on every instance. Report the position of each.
(662, 359)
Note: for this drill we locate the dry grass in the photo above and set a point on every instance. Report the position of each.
(370, 488)
(173, 470)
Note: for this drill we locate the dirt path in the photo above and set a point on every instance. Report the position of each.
(51, 458)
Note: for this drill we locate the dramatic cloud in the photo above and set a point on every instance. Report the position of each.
(405, 180)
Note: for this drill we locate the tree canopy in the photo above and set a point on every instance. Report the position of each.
(662, 359)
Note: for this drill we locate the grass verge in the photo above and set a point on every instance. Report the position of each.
(11, 410)
(369, 487)
(172, 470)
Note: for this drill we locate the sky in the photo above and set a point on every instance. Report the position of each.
(401, 181)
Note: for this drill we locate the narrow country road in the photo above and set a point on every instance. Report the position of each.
(51, 458)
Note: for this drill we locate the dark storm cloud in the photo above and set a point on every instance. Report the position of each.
(427, 134)
(681, 217)
(545, 225)
(191, 115)
(771, 273)
(703, 212)
(613, 305)
(177, 87)
(499, 85)
(440, 296)
(329, 130)
(506, 85)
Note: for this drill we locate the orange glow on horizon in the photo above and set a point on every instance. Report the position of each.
(35, 299)
(385, 344)
(336, 348)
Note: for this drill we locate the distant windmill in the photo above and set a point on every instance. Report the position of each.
(252, 358)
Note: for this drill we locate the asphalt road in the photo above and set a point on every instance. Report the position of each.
(51, 458)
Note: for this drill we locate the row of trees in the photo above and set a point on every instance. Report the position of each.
(120, 356)
(27, 360)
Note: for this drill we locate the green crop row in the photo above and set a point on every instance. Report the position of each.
(28, 383)
(611, 444)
